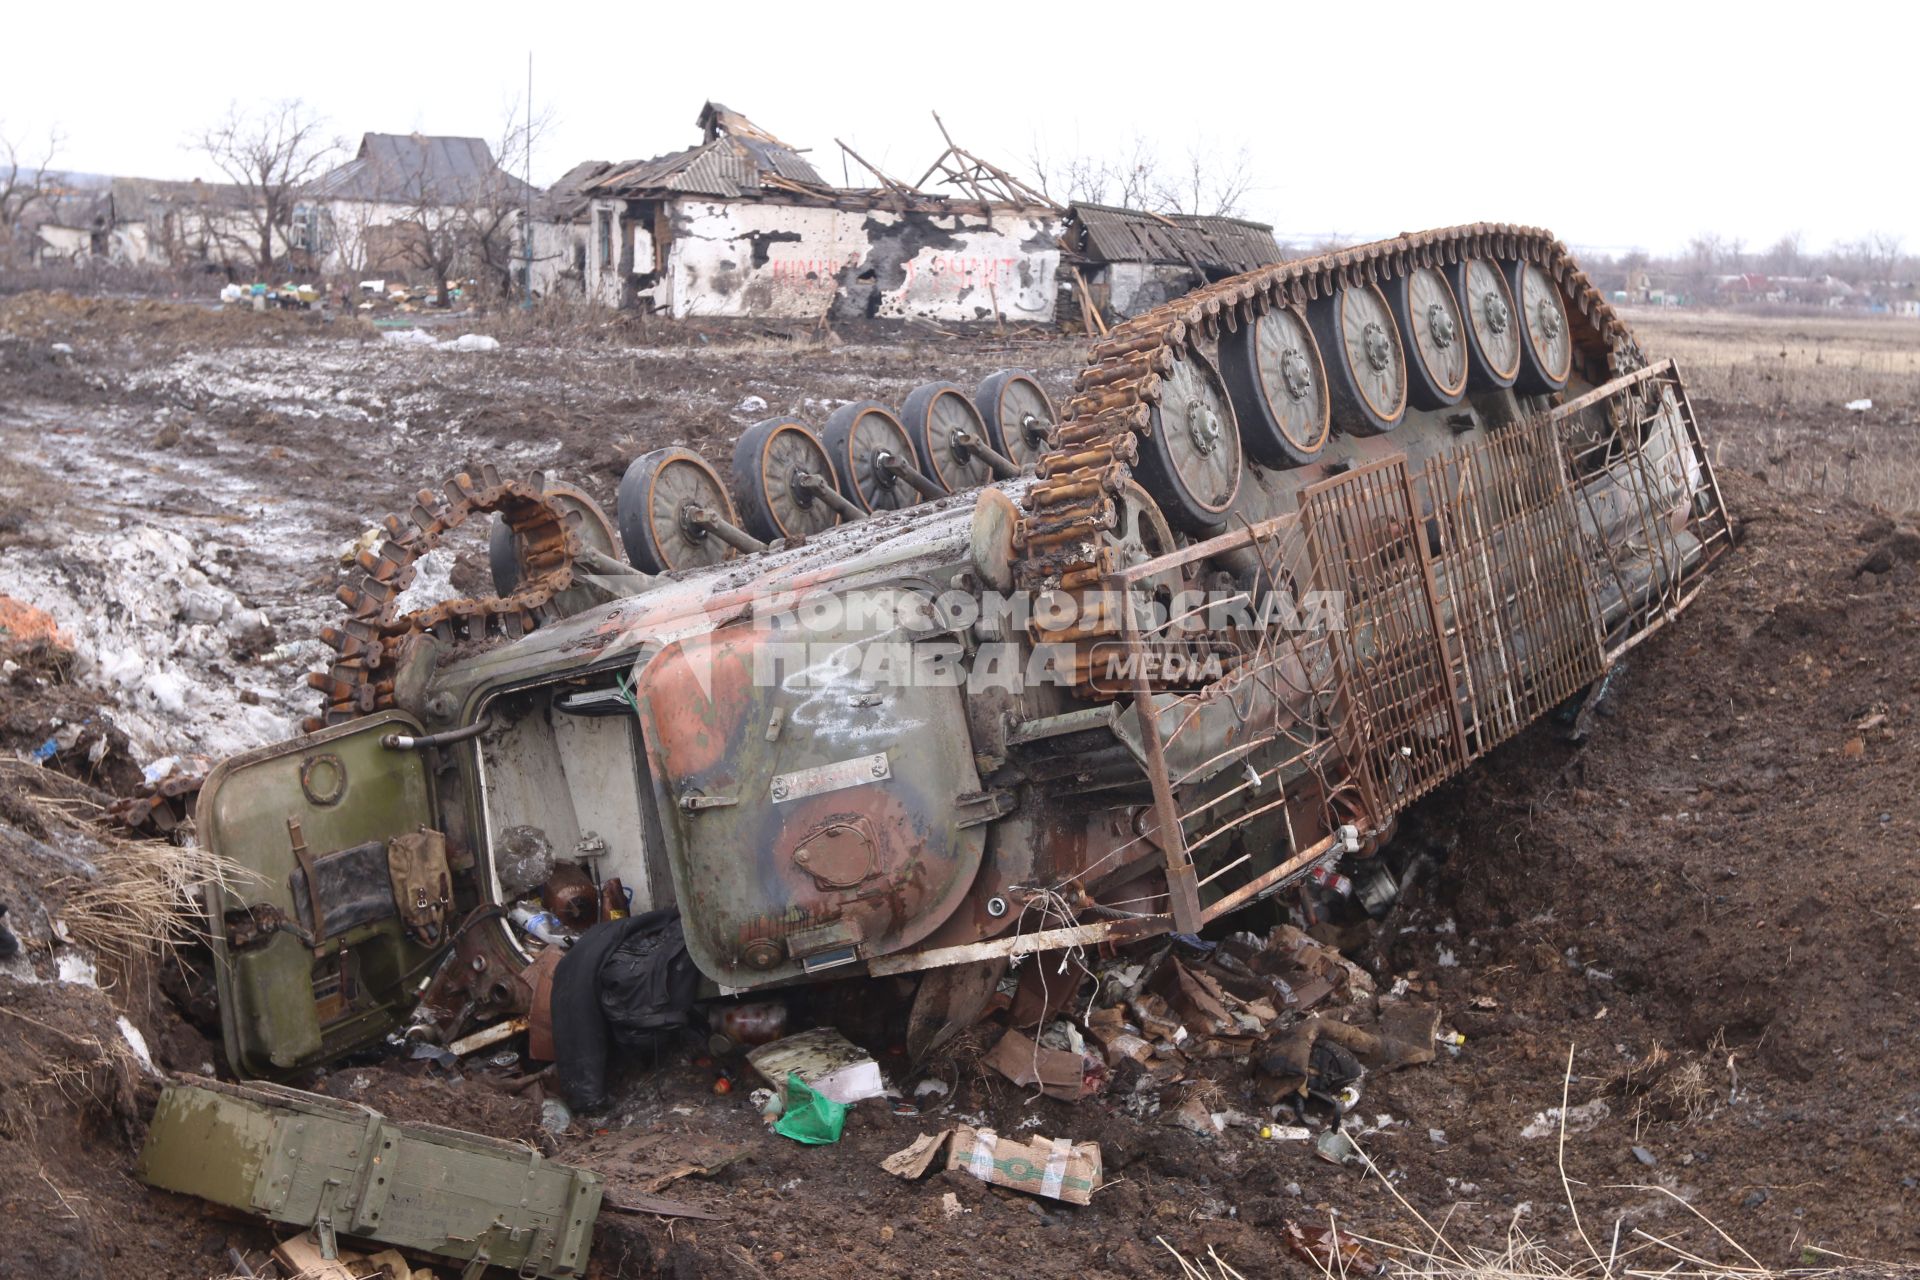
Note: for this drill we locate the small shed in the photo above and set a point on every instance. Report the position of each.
(1133, 260)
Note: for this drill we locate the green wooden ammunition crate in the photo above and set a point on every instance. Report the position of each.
(346, 1170)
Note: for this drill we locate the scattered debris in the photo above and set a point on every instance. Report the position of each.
(808, 1115)
(913, 1161)
(1060, 1073)
(1332, 1251)
(1578, 1119)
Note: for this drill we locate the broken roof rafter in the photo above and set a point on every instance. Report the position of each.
(981, 179)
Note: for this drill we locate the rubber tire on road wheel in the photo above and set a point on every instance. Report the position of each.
(1428, 387)
(1169, 462)
(764, 460)
(931, 414)
(1012, 390)
(1487, 369)
(1546, 331)
(874, 426)
(1330, 317)
(649, 531)
(1279, 427)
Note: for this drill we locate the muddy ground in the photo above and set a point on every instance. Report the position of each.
(1712, 901)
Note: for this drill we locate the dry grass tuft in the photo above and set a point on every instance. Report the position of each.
(1665, 1086)
(143, 899)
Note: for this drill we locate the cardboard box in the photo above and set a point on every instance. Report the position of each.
(1057, 1168)
(1058, 1072)
(833, 1066)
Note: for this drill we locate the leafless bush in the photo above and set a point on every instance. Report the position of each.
(97, 276)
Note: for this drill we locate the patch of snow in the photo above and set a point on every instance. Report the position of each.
(138, 1043)
(76, 969)
(1579, 1119)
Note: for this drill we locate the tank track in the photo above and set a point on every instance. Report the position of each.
(1059, 542)
(367, 646)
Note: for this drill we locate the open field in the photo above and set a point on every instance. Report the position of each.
(1699, 928)
(1790, 379)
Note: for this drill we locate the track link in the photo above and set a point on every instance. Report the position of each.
(367, 645)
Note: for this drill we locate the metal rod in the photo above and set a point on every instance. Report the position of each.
(1273, 877)
(1080, 935)
(711, 521)
(817, 487)
(1183, 891)
(892, 465)
(1002, 465)
(602, 563)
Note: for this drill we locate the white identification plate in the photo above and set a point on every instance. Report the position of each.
(830, 777)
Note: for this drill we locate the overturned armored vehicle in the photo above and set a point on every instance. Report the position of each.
(923, 692)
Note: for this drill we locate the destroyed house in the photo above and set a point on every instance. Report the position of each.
(1133, 260)
(743, 225)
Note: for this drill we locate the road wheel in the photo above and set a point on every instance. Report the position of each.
(656, 495)
(768, 460)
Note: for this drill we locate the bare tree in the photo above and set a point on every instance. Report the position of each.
(1787, 258)
(471, 221)
(497, 208)
(22, 184)
(1883, 255)
(269, 154)
(1208, 183)
(1205, 182)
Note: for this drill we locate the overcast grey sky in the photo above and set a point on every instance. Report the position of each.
(1616, 125)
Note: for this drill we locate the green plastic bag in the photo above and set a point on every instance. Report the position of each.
(810, 1117)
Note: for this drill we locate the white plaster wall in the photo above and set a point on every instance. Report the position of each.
(555, 245)
(747, 258)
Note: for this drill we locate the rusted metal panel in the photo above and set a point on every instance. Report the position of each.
(1521, 628)
(1369, 547)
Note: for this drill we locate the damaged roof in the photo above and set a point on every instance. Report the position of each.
(401, 168)
(736, 159)
(1109, 234)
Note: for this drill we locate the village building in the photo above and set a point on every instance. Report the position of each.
(411, 205)
(1131, 260)
(186, 224)
(743, 225)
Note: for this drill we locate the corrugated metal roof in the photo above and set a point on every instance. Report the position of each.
(1132, 235)
(400, 168)
(727, 166)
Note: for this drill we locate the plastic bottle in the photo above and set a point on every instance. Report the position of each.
(543, 926)
(613, 899)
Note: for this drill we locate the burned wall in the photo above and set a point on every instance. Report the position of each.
(752, 258)
(1135, 287)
